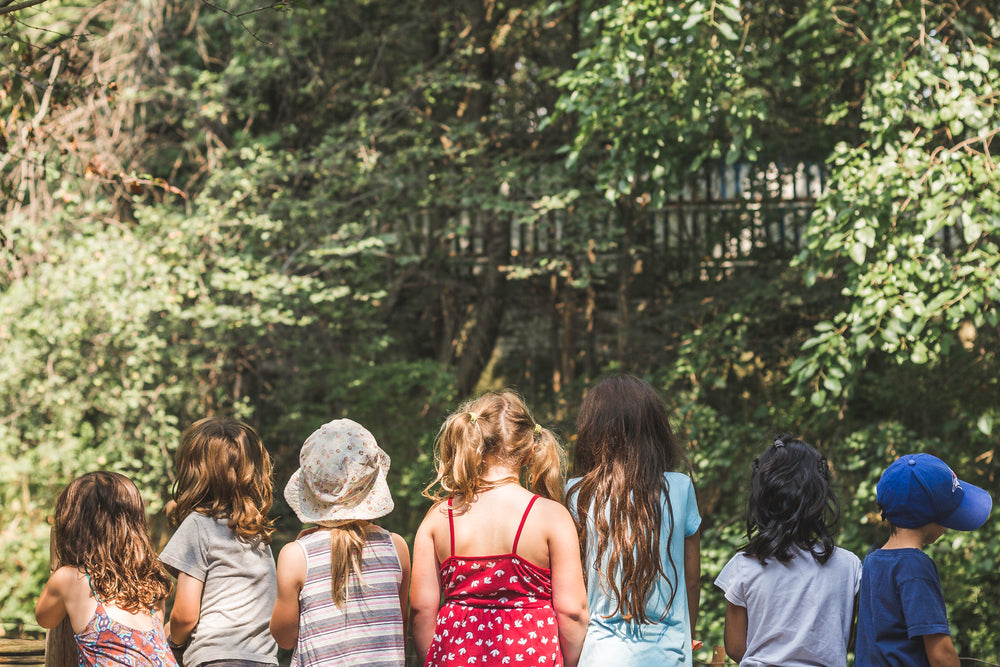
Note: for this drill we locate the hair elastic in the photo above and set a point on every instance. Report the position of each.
(538, 429)
(473, 417)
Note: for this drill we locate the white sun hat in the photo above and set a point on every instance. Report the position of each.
(341, 476)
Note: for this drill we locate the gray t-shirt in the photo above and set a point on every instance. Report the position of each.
(240, 586)
(799, 612)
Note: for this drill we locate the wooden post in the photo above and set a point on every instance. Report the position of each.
(719, 655)
(60, 647)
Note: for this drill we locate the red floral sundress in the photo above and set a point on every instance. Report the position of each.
(497, 610)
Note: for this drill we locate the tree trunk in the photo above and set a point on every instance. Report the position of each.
(480, 331)
(626, 214)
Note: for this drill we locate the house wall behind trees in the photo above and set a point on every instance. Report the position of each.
(305, 213)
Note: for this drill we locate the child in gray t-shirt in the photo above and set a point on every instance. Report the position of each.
(790, 594)
(221, 551)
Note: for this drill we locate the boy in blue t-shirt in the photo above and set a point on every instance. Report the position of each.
(901, 612)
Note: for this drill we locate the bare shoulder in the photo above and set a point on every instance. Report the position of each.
(553, 513)
(292, 554)
(68, 580)
(399, 542)
(402, 548)
(548, 505)
(436, 517)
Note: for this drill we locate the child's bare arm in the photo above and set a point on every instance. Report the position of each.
(186, 610)
(569, 594)
(403, 553)
(291, 579)
(425, 590)
(736, 631)
(692, 576)
(51, 607)
(940, 651)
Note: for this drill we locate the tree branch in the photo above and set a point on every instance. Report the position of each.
(8, 8)
(239, 15)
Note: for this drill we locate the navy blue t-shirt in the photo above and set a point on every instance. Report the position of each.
(900, 602)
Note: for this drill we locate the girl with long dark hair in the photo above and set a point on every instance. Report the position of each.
(638, 522)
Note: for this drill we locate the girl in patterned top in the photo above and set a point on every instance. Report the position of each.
(110, 583)
(507, 559)
(342, 586)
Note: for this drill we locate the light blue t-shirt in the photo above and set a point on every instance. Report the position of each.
(666, 641)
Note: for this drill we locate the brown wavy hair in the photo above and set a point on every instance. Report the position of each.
(100, 528)
(494, 428)
(224, 472)
(624, 445)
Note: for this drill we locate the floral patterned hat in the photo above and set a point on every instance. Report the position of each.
(341, 476)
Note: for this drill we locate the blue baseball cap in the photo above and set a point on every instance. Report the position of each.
(920, 489)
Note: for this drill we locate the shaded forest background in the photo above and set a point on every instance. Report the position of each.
(295, 212)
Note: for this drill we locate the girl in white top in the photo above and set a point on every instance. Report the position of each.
(791, 593)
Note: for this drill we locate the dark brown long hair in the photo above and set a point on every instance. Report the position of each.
(223, 471)
(496, 427)
(100, 528)
(624, 445)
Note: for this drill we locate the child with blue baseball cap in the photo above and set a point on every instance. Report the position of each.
(901, 612)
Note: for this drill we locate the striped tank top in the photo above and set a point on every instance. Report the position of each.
(368, 630)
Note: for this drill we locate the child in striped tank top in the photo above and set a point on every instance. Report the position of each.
(342, 586)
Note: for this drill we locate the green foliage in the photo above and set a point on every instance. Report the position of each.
(659, 86)
(911, 219)
(267, 216)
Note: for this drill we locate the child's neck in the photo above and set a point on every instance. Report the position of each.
(498, 473)
(914, 538)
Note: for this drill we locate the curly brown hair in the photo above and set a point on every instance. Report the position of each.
(224, 472)
(496, 427)
(100, 528)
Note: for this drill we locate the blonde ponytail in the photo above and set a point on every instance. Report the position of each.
(545, 468)
(347, 544)
(458, 455)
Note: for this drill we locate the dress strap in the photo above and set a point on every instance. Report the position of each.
(451, 528)
(524, 516)
(91, 584)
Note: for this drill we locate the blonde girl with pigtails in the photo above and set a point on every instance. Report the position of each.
(505, 556)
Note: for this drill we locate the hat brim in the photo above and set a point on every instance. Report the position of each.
(972, 512)
(376, 503)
